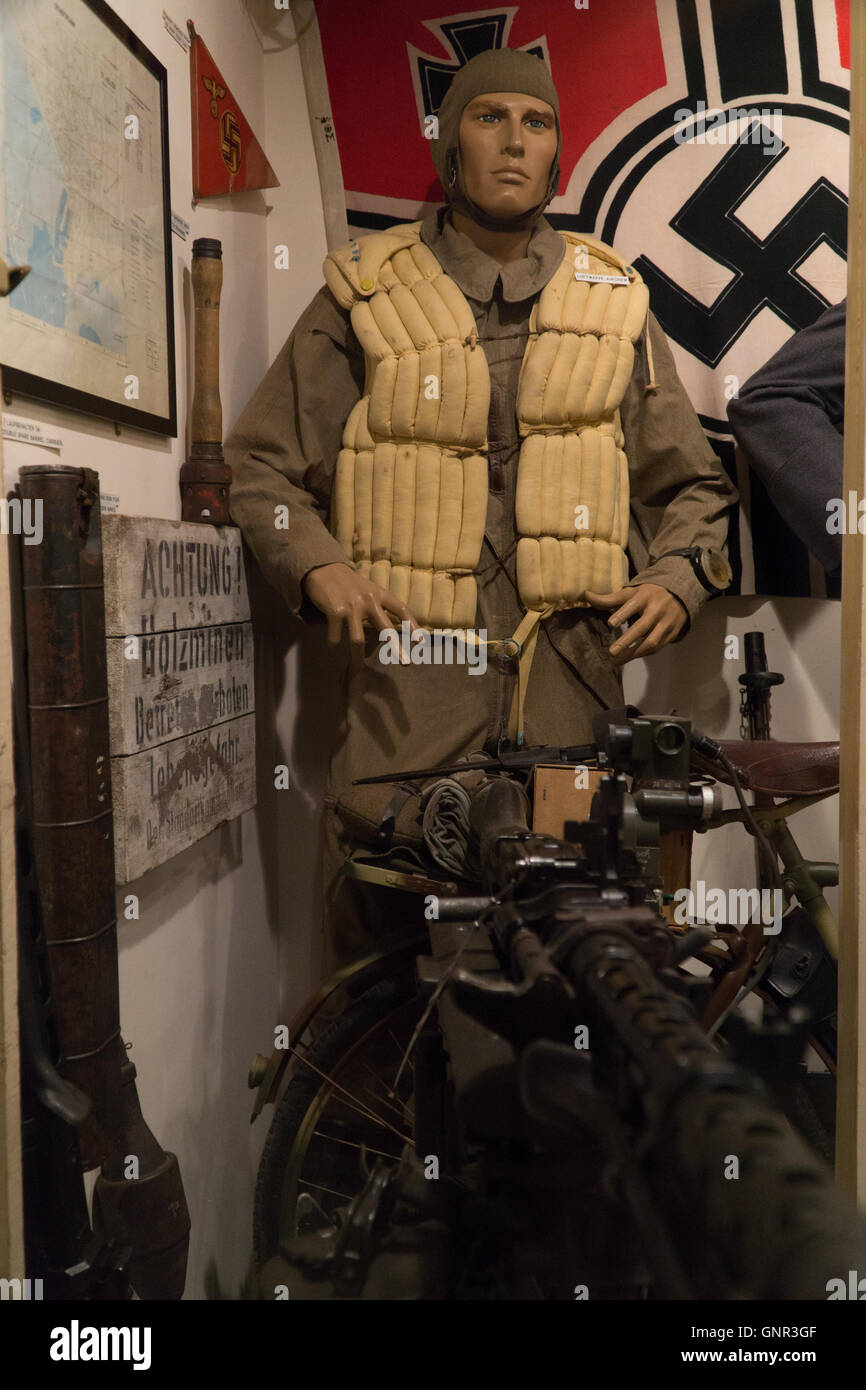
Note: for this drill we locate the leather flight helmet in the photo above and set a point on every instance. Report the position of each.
(496, 70)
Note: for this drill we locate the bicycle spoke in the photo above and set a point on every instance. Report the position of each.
(319, 1188)
(389, 1090)
(352, 1101)
(401, 1049)
(382, 1101)
(368, 1114)
(353, 1144)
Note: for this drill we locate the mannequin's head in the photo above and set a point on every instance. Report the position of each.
(501, 111)
(500, 131)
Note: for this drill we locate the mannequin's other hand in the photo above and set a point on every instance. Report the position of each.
(655, 616)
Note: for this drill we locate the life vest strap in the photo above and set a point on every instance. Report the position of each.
(522, 644)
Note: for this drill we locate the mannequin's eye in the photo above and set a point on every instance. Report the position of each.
(538, 121)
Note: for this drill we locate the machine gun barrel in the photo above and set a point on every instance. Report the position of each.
(656, 1083)
(782, 1230)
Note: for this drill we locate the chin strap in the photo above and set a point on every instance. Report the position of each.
(520, 223)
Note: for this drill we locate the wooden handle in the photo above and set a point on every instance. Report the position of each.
(675, 865)
(207, 278)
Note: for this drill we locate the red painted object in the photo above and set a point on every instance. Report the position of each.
(226, 156)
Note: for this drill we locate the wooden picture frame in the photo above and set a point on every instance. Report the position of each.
(85, 202)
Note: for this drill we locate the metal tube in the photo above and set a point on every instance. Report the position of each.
(73, 852)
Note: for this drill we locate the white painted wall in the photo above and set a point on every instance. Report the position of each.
(199, 972)
(224, 947)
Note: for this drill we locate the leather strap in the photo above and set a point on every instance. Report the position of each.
(368, 871)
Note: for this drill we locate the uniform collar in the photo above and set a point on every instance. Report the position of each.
(476, 273)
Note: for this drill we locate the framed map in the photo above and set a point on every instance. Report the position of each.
(84, 201)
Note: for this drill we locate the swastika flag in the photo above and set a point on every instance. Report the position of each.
(226, 156)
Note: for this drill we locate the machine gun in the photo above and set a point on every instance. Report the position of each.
(589, 1139)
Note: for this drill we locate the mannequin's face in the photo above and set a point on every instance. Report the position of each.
(507, 130)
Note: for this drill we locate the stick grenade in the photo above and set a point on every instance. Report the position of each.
(206, 478)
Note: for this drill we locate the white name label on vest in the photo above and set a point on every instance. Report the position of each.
(601, 279)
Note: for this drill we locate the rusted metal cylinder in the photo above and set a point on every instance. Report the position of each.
(144, 1211)
(73, 828)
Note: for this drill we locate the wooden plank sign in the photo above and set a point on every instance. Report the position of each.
(171, 574)
(170, 796)
(166, 684)
(180, 681)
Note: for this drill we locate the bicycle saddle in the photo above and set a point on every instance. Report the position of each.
(777, 769)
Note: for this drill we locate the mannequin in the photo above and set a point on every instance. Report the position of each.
(501, 113)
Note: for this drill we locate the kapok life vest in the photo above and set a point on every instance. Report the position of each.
(411, 486)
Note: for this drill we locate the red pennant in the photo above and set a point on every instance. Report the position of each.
(226, 156)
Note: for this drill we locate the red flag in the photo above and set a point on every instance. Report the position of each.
(226, 156)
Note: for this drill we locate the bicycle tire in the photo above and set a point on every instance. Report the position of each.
(326, 1053)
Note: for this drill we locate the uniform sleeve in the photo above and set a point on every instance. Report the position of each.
(680, 493)
(283, 449)
(788, 420)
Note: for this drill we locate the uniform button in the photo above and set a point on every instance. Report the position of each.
(366, 283)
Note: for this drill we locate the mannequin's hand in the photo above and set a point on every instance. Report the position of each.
(345, 596)
(656, 616)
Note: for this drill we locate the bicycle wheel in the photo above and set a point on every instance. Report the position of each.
(339, 1105)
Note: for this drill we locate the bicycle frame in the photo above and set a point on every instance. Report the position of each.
(803, 879)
